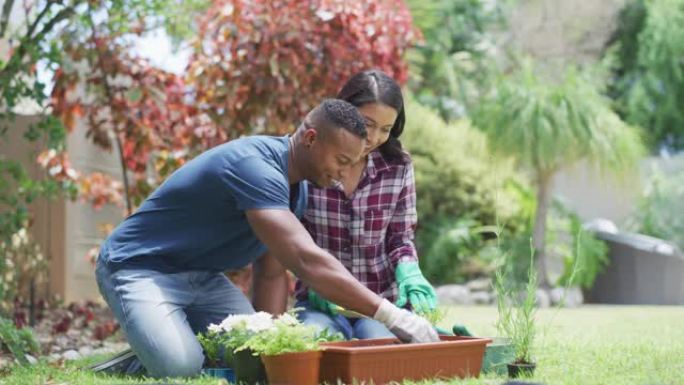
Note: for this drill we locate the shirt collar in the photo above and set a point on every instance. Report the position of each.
(376, 164)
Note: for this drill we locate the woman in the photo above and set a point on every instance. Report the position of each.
(368, 219)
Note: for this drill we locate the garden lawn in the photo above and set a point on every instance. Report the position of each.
(612, 345)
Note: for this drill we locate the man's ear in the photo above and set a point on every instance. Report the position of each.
(310, 136)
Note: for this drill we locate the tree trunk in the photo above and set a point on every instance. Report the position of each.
(119, 143)
(539, 232)
(124, 176)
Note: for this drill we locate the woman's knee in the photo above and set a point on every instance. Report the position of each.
(322, 321)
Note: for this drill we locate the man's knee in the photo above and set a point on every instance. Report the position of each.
(178, 364)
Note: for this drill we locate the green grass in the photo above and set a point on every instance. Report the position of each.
(612, 345)
(630, 345)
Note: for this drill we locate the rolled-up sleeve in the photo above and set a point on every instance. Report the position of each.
(400, 244)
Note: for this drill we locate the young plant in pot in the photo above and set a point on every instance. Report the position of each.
(517, 312)
(217, 361)
(230, 335)
(249, 368)
(289, 350)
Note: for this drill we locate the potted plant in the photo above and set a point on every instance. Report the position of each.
(289, 350)
(516, 321)
(239, 329)
(217, 362)
(231, 334)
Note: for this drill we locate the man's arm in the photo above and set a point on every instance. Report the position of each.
(289, 242)
(270, 285)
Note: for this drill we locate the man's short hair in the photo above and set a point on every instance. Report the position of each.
(335, 114)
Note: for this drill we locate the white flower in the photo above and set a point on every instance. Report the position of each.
(259, 322)
(232, 320)
(227, 10)
(288, 319)
(55, 170)
(71, 173)
(213, 328)
(325, 15)
(16, 241)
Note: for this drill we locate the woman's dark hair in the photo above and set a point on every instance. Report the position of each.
(375, 86)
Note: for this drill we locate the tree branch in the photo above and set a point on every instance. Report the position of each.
(36, 21)
(6, 10)
(15, 63)
(109, 94)
(61, 15)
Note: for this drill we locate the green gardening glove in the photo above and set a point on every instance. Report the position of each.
(461, 330)
(414, 288)
(321, 304)
(456, 330)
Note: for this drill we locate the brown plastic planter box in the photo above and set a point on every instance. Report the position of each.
(384, 360)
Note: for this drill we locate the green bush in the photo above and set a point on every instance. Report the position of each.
(472, 206)
(456, 250)
(459, 186)
(645, 59)
(583, 255)
(454, 63)
(18, 342)
(21, 266)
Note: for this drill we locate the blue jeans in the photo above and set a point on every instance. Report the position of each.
(360, 328)
(162, 313)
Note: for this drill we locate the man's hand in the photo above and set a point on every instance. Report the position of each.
(414, 288)
(407, 326)
(321, 304)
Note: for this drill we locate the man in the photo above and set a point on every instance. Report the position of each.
(161, 269)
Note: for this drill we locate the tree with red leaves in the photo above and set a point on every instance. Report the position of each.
(259, 65)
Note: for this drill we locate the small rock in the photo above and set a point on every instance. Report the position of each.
(85, 351)
(4, 362)
(481, 284)
(71, 355)
(481, 298)
(453, 295)
(571, 297)
(62, 342)
(54, 357)
(31, 359)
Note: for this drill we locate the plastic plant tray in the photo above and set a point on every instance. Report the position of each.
(381, 361)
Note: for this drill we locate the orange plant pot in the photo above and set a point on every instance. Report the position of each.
(293, 368)
(387, 359)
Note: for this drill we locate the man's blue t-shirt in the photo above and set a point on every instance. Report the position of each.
(196, 219)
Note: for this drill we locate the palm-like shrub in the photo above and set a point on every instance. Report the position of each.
(546, 125)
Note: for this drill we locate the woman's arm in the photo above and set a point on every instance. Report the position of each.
(401, 230)
(412, 286)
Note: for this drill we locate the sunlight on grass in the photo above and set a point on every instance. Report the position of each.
(597, 344)
(625, 345)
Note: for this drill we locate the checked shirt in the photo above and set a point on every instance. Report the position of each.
(371, 231)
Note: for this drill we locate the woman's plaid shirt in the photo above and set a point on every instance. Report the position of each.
(373, 230)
